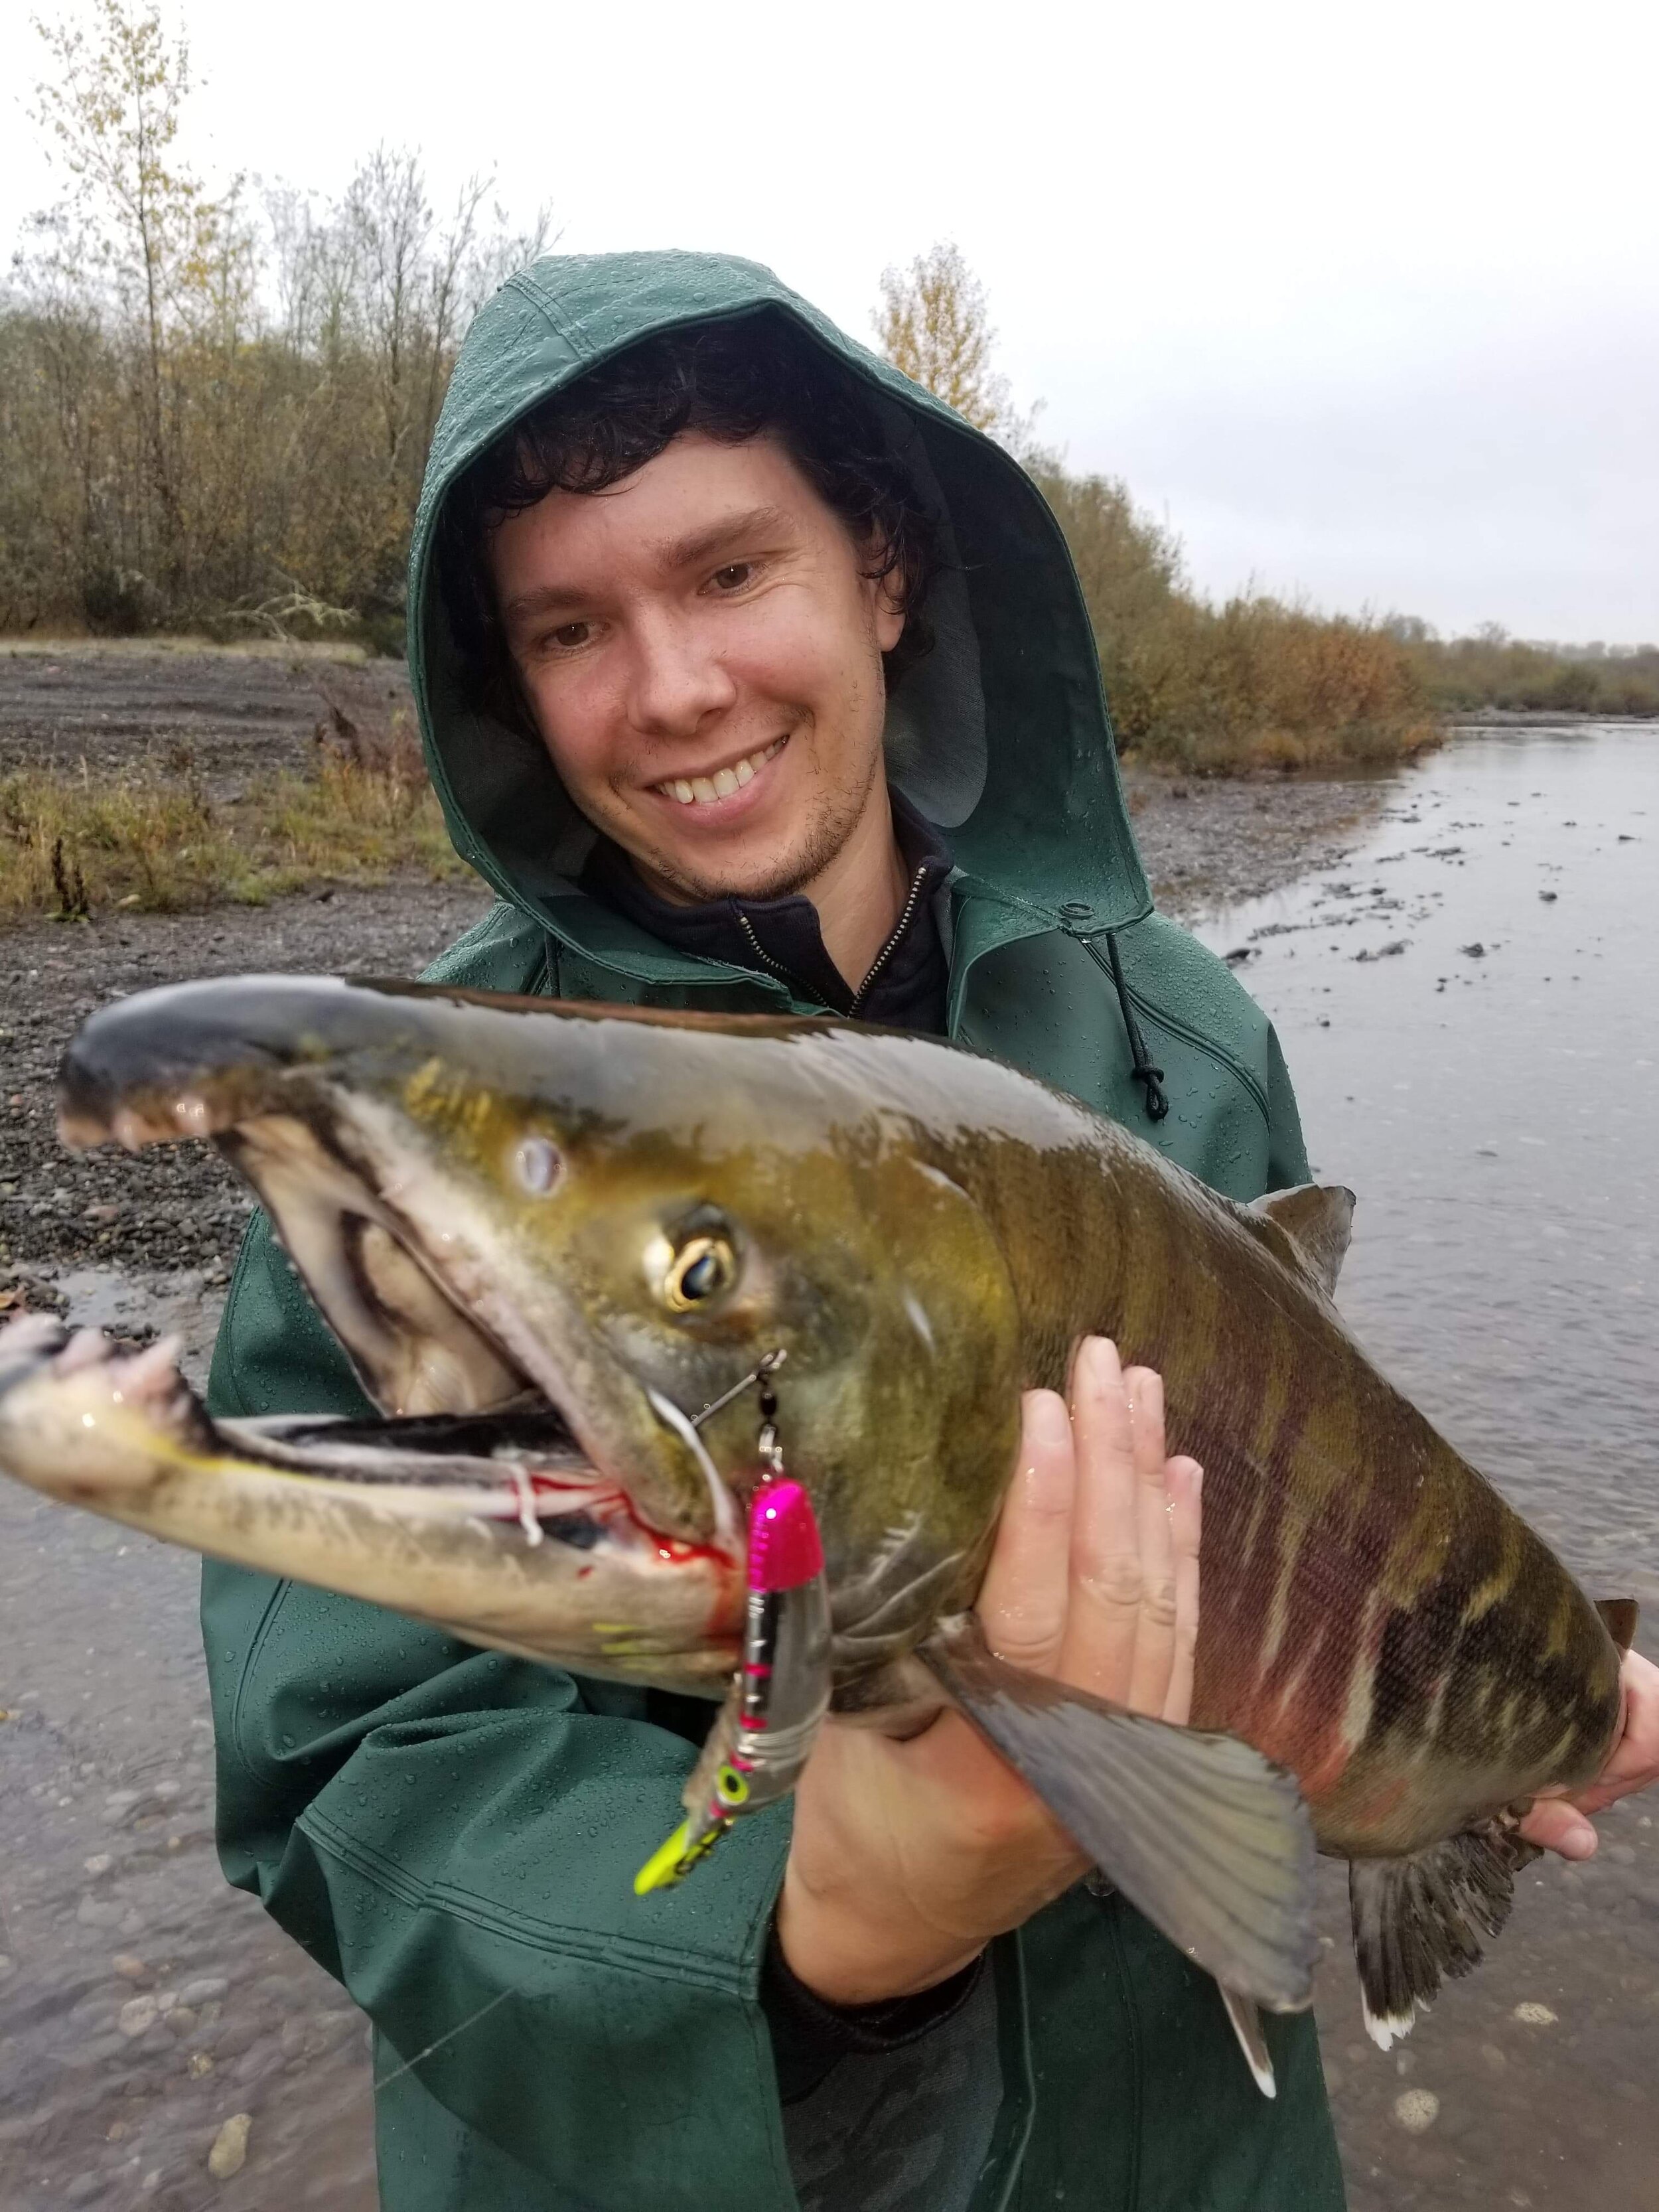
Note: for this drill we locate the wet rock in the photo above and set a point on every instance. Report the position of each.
(204, 1990)
(1417, 2110)
(138, 2015)
(126, 1963)
(85, 2188)
(1533, 2015)
(1475, 951)
(229, 2151)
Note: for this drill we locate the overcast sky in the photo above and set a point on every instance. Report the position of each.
(1363, 300)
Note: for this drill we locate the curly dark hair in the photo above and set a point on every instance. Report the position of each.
(731, 381)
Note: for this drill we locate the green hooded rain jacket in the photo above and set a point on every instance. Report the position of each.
(453, 1833)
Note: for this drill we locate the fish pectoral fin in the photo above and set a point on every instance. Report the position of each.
(1619, 1618)
(1316, 1220)
(1420, 1920)
(1246, 2017)
(1205, 1835)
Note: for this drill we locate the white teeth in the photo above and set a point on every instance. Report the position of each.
(701, 789)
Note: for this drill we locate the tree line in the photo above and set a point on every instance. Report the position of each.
(214, 411)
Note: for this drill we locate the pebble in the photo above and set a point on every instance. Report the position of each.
(1417, 2110)
(204, 1990)
(137, 2014)
(6, 1965)
(133, 1968)
(230, 2147)
(1535, 2015)
(101, 1863)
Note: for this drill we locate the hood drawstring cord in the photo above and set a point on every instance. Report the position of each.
(1074, 918)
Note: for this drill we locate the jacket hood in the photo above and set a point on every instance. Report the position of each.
(1000, 735)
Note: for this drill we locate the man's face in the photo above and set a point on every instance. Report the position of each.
(703, 654)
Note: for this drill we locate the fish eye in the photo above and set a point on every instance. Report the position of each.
(536, 1164)
(702, 1268)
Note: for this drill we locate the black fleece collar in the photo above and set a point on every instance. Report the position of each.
(905, 988)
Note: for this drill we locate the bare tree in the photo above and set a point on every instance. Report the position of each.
(934, 323)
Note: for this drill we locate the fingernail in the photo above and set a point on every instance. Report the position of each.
(1051, 1423)
(1100, 1360)
(1580, 1843)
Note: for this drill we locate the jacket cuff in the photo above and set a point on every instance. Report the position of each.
(809, 2034)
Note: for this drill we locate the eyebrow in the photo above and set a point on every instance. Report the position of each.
(690, 551)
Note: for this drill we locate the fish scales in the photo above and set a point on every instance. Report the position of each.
(900, 1236)
(1355, 1563)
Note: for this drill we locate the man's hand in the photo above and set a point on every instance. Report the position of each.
(1558, 1824)
(908, 1856)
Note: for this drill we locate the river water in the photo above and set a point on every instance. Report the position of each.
(1496, 1113)
(1467, 1001)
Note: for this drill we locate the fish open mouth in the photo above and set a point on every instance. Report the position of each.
(301, 1083)
(461, 1425)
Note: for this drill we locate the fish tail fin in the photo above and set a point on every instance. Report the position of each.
(1207, 1837)
(1619, 1618)
(1420, 1920)
(1246, 2017)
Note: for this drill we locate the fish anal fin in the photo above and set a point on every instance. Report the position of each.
(1619, 1618)
(1203, 1834)
(1247, 2027)
(1420, 1920)
(1316, 1220)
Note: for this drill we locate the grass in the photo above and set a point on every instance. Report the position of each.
(73, 844)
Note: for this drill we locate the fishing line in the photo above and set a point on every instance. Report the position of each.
(383, 2080)
(726, 1519)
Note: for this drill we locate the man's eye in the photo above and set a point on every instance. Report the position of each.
(733, 576)
(569, 635)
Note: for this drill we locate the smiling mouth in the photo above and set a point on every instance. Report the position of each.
(705, 790)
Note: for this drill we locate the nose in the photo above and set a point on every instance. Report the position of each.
(678, 681)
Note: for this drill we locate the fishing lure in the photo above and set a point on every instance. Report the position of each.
(767, 1727)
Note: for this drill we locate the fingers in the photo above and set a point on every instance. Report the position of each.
(1155, 1620)
(1093, 1576)
(1103, 1610)
(1554, 1824)
(1559, 1824)
(1184, 1479)
(1022, 1600)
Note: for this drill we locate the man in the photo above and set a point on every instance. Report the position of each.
(752, 678)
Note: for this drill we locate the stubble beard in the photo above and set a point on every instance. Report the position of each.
(784, 875)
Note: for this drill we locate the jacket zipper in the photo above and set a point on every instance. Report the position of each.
(891, 946)
(876, 965)
(766, 960)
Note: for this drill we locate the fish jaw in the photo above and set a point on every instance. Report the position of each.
(486, 1195)
(552, 1564)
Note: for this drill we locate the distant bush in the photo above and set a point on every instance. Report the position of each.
(1255, 683)
(1473, 675)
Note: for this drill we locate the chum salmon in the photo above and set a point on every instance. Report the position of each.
(603, 1272)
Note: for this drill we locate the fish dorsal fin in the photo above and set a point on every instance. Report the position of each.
(1619, 1618)
(1315, 1220)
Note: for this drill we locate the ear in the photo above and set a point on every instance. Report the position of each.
(886, 597)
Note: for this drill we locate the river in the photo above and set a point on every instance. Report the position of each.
(1467, 1003)
(1496, 1110)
